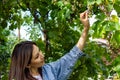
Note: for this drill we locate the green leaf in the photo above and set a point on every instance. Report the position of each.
(91, 2)
(117, 6)
(117, 68)
(110, 26)
(117, 36)
(114, 18)
(98, 1)
(100, 16)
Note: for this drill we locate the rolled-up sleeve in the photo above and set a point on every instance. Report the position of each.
(63, 67)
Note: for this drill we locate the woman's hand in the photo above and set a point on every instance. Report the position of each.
(84, 19)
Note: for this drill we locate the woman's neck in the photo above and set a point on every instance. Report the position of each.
(34, 71)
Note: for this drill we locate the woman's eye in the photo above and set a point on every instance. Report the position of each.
(37, 56)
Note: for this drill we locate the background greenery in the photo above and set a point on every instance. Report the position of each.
(57, 22)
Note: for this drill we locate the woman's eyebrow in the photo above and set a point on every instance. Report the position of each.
(36, 55)
(37, 52)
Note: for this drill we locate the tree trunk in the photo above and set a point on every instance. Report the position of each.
(0, 76)
(19, 36)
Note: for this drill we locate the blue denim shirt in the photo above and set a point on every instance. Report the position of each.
(62, 68)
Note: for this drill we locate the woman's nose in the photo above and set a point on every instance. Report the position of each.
(41, 55)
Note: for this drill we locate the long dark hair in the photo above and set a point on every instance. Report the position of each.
(21, 57)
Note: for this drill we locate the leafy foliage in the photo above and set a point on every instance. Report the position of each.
(57, 21)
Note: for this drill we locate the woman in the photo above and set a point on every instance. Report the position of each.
(27, 62)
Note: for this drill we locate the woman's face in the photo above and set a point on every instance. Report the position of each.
(37, 58)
